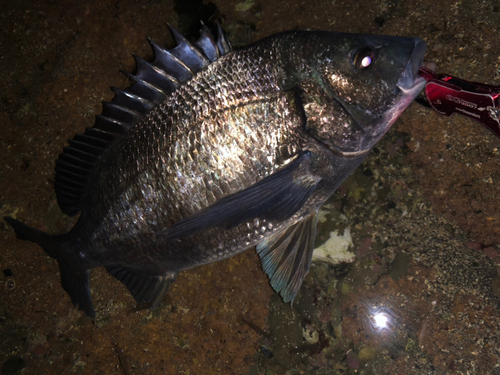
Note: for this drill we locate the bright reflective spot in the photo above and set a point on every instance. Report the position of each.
(380, 320)
(338, 80)
(366, 61)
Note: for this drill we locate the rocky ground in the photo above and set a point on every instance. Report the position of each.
(421, 212)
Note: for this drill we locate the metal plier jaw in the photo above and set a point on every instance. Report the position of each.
(449, 95)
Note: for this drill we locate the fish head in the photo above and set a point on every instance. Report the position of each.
(357, 86)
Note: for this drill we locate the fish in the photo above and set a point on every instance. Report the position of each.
(213, 150)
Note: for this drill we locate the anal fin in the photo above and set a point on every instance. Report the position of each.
(286, 256)
(143, 288)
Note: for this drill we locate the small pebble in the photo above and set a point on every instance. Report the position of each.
(352, 360)
(266, 351)
(490, 252)
(367, 353)
(310, 334)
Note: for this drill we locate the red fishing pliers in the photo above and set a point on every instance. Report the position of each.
(449, 95)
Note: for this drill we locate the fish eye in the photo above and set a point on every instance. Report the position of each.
(362, 57)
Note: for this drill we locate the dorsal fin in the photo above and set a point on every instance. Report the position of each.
(153, 82)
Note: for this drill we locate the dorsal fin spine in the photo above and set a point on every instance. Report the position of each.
(157, 70)
(121, 113)
(223, 43)
(131, 101)
(110, 125)
(207, 44)
(149, 72)
(139, 80)
(70, 175)
(183, 42)
(154, 81)
(165, 57)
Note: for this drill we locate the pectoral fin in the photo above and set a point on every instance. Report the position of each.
(276, 197)
(286, 256)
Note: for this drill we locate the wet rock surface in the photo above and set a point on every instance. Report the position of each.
(422, 211)
(418, 299)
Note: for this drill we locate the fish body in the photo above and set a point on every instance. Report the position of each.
(213, 151)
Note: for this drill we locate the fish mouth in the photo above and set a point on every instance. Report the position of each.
(410, 80)
(409, 84)
(414, 89)
(372, 125)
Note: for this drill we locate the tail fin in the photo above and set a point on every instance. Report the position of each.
(74, 281)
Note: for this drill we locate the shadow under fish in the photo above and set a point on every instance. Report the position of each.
(213, 151)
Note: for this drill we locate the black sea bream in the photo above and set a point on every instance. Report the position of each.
(213, 151)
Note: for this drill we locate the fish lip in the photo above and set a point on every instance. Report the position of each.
(410, 74)
(409, 84)
(414, 89)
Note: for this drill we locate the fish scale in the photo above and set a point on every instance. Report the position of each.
(187, 175)
(213, 151)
